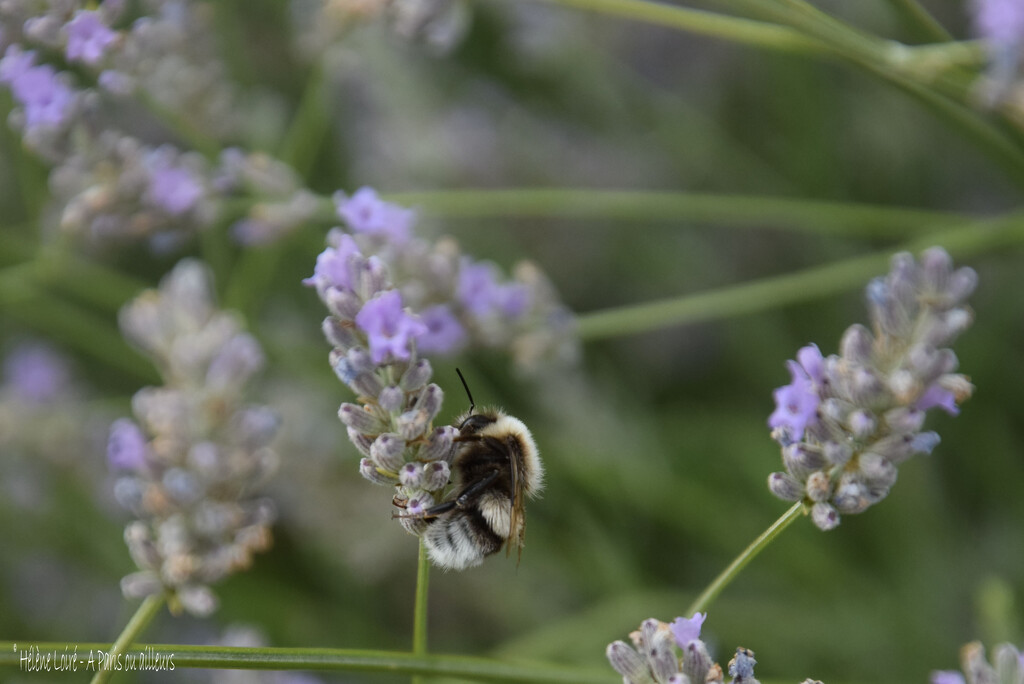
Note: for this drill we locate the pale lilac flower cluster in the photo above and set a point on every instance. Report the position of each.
(461, 301)
(1008, 667)
(1001, 24)
(675, 654)
(282, 203)
(191, 461)
(375, 353)
(114, 187)
(846, 421)
(108, 180)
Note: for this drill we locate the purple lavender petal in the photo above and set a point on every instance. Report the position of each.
(88, 37)
(687, 630)
(938, 396)
(444, 333)
(389, 328)
(126, 446)
(36, 373)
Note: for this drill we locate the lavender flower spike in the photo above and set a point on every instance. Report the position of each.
(847, 421)
(1007, 666)
(392, 298)
(189, 462)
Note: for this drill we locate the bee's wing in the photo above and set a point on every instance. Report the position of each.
(517, 521)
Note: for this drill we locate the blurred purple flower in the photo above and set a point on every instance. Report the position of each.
(946, 677)
(333, 265)
(126, 446)
(1000, 21)
(938, 396)
(36, 373)
(687, 630)
(88, 37)
(796, 404)
(444, 334)
(46, 99)
(482, 295)
(173, 188)
(365, 212)
(389, 328)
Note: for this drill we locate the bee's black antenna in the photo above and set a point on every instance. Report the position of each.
(472, 404)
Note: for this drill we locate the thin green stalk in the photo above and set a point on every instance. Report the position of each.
(729, 574)
(918, 20)
(812, 283)
(419, 620)
(304, 139)
(143, 616)
(746, 31)
(340, 660)
(754, 211)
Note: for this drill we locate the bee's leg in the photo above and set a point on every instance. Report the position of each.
(463, 499)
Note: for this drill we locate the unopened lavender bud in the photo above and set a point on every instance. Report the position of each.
(430, 400)
(435, 475)
(391, 399)
(661, 654)
(411, 475)
(416, 376)
(925, 442)
(877, 469)
(679, 679)
(697, 662)
(141, 584)
(359, 419)
(904, 386)
(851, 497)
(962, 284)
(865, 387)
(834, 410)
(627, 662)
(412, 424)
(182, 486)
(439, 444)
(959, 385)
(372, 278)
(197, 600)
(741, 667)
(936, 266)
(801, 461)
(361, 441)
(366, 385)
(861, 423)
(128, 491)
(818, 486)
(837, 453)
(368, 469)
(785, 486)
(857, 344)
(904, 419)
(948, 325)
(824, 516)
(386, 451)
(344, 304)
(339, 334)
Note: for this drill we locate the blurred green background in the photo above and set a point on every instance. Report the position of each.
(656, 445)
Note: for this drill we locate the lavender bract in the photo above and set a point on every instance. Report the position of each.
(1008, 666)
(194, 455)
(847, 421)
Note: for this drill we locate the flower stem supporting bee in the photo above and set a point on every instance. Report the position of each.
(131, 632)
(722, 581)
(419, 619)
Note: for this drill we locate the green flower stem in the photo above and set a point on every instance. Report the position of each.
(143, 616)
(419, 621)
(341, 660)
(729, 574)
(812, 283)
(920, 21)
(630, 205)
(746, 31)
